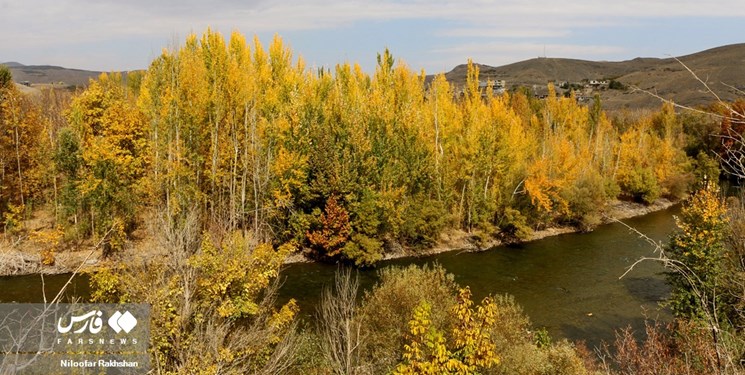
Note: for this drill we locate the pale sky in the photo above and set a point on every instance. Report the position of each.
(433, 35)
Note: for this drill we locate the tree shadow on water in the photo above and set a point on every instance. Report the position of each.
(595, 335)
(647, 289)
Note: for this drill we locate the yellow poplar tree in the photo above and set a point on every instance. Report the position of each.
(21, 154)
(114, 152)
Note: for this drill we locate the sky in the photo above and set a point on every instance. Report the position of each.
(434, 35)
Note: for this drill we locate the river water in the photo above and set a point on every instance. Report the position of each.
(568, 284)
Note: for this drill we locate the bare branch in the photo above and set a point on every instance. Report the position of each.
(693, 281)
(735, 89)
(676, 105)
(706, 85)
(339, 327)
(12, 361)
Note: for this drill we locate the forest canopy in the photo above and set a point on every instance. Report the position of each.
(338, 162)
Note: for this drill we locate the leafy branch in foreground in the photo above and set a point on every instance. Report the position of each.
(705, 286)
(214, 301)
(471, 349)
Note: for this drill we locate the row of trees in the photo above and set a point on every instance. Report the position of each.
(338, 162)
(342, 162)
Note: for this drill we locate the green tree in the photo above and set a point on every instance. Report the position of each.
(6, 77)
(696, 251)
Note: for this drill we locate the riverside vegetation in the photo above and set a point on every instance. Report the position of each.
(228, 157)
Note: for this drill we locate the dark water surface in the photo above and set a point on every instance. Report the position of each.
(568, 283)
(28, 288)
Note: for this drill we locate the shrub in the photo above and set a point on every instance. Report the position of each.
(213, 307)
(387, 308)
(424, 221)
(640, 184)
(339, 328)
(678, 348)
(514, 224)
(585, 197)
(467, 349)
(363, 250)
(616, 85)
(429, 294)
(697, 251)
(6, 77)
(523, 350)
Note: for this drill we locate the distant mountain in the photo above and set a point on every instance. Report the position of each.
(48, 74)
(722, 68)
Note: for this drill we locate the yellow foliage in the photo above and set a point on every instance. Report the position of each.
(22, 152)
(701, 225)
(114, 157)
(50, 240)
(233, 273)
(107, 285)
(13, 218)
(241, 131)
(539, 187)
(471, 351)
(290, 167)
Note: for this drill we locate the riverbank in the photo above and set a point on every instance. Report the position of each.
(24, 257)
(459, 240)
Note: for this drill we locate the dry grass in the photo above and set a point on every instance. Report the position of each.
(14, 262)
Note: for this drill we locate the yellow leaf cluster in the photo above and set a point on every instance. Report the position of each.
(233, 273)
(471, 350)
(50, 241)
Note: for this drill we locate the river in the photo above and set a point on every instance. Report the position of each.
(568, 284)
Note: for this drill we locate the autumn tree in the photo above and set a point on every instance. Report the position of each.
(730, 146)
(104, 157)
(698, 248)
(471, 350)
(213, 301)
(334, 228)
(22, 154)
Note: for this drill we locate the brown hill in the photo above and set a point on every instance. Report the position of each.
(48, 74)
(722, 68)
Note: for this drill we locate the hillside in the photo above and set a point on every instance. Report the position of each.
(723, 68)
(48, 74)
